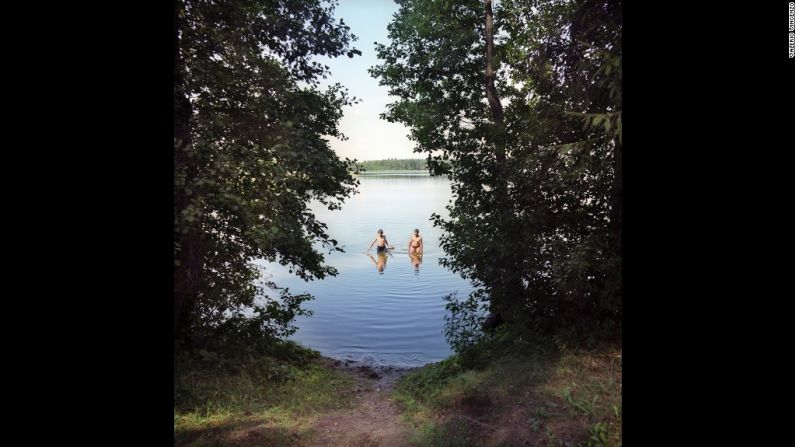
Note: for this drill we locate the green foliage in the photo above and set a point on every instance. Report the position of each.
(598, 436)
(464, 320)
(424, 385)
(568, 397)
(540, 231)
(454, 433)
(250, 152)
(244, 333)
(275, 389)
(278, 390)
(394, 164)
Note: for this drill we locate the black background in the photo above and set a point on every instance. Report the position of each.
(708, 121)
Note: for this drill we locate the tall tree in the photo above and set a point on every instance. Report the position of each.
(250, 149)
(535, 168)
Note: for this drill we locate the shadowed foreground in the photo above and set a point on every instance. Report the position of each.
(347, 405)
(517, 394)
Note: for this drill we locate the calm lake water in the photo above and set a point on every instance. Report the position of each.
(392, 313)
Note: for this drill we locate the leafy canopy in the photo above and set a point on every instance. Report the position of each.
(256, 151)
(536, 218)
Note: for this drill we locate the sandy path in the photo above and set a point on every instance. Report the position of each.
(374, 420)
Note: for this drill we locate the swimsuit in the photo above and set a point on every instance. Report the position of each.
(380, 249)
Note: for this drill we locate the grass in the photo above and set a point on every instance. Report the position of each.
(268, 399)
(503, 393)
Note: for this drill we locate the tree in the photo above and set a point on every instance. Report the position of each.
(414, 164)
(250, 151)
(525, 102)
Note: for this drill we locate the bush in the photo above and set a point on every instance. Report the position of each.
(464, 322)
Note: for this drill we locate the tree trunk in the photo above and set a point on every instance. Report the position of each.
(188, 256)
(507, 286)
(491, 91)
(616, 217)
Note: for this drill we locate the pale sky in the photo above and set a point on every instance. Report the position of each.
(370, 138)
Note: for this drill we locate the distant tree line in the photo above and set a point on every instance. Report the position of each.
(395, 164)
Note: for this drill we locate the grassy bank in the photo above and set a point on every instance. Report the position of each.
(505, 393)
(264, 400)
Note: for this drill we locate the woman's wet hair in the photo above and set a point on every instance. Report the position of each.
(380, 231)
(416, 231)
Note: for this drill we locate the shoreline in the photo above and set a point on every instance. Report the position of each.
(385, 376)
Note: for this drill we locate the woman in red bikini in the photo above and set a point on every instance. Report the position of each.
(415, 243)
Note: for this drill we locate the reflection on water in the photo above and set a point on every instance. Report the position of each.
(380, 264)
(416, 261)
(379, 308)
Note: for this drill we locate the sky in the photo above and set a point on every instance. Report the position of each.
(369, 137)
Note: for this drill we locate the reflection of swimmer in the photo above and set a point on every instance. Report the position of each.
(416, 261)
(380, 239)
(381, 263)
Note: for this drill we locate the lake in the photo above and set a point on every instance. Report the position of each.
(386, 310)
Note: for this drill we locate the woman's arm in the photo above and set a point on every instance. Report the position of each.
(371, 244)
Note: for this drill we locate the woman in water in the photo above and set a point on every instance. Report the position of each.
(415, 243)
(380, 239)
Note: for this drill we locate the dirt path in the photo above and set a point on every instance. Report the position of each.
(374, 421)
